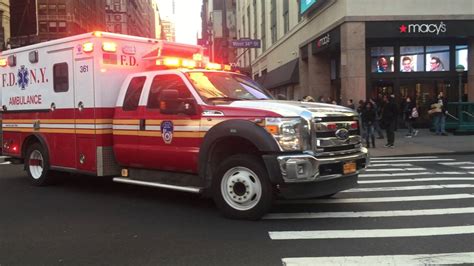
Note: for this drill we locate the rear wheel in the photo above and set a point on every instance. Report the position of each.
(37, 165)
(242, 189)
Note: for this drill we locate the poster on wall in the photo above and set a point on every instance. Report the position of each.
(437, 58)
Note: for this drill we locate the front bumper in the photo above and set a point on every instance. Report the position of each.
(304, 175)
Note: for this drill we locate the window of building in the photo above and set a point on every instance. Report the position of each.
(273, 21)
(286, 17)
(134, 91)
(164, 82)
(62, 9)
(437, 58)
(52, 10)
(53, 26)
(382, 59)
(412, 58)
(60, 77)
(461, 56)
(43, 26)
(62, 26)
(42, 9)
(255, 19)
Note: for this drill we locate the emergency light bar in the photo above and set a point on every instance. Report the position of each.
(3, 62)
(109, 47)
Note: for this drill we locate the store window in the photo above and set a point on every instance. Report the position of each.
(461, 56)
(412, 58)
(382, 59)
(437, 58)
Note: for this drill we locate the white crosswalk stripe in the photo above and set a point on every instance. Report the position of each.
(372, 233)
(415, 259)
(416, 180)
(379, 199)
(395, 169)
(397, 213)
(386, 174)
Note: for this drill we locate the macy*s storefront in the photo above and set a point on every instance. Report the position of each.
(418, 59)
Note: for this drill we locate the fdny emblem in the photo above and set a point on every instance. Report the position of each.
(167, 131)
(342, 134)
(23, 78)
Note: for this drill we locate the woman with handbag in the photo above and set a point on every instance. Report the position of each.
(410, 114)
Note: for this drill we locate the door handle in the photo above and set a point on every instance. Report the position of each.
(142, 124)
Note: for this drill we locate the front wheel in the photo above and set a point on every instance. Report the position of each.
(242, 189)
(37, 165)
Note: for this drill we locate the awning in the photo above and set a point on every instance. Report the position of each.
(285, 75)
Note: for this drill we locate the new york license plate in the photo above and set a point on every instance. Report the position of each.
(349, 168)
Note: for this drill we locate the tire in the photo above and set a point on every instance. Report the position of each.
(37, 165)
(241, 188)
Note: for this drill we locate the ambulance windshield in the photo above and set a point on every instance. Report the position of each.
(227, 87)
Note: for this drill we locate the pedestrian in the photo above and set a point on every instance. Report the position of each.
(368, 121)
(438, 111)
(377, 110)
(308, 98)
(359, 111)
(389, 115)
(410, 114)
(350, 104)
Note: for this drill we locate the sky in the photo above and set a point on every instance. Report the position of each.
(187, 18)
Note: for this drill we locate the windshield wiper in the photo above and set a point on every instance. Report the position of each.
(223, 99)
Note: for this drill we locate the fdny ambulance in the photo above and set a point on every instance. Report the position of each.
(154, 113)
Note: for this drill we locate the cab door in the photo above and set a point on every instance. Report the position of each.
(169, 141)
(84, 113)
(127, 124)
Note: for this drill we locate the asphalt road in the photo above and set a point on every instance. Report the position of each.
(422, 207)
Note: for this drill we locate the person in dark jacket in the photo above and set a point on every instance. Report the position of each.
(410, 113)
(368, 121)
(389, 115)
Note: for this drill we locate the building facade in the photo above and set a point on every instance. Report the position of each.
(169, 30)
(4, 23)
(359, 49)
(132, 17)
(218, 29)
(50, 19)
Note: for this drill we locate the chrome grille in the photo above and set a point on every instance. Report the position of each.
(336, 135)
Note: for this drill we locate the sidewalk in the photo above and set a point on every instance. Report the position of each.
(424, 143)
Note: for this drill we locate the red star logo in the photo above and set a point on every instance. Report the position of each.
(403, 28)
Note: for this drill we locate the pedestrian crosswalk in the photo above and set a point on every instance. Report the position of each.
(417, 201)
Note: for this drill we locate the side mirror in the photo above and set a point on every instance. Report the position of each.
(170, 103)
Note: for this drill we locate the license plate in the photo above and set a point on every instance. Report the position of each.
(349, 168)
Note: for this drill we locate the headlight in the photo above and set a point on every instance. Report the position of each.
(292, 134)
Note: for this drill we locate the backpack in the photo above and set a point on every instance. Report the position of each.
(414, 113)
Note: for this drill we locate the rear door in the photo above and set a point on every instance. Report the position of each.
(168, 141)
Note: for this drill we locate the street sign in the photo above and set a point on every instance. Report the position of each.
(245, 43)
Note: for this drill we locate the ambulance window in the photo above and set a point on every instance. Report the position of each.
(132, 97)
(60, 77)
(163, 82)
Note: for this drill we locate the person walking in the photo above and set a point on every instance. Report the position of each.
(377, 110)
(438, 110)
(389, 115)
(368, 121)
(410, 114)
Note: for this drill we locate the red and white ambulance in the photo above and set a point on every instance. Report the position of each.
(153, 113)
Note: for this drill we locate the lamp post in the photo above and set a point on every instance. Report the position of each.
(460, 70)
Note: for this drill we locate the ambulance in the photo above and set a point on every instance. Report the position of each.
(155, 113)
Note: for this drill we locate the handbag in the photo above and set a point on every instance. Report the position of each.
(414, 113)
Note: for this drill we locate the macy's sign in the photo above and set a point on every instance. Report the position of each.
(424, 28)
